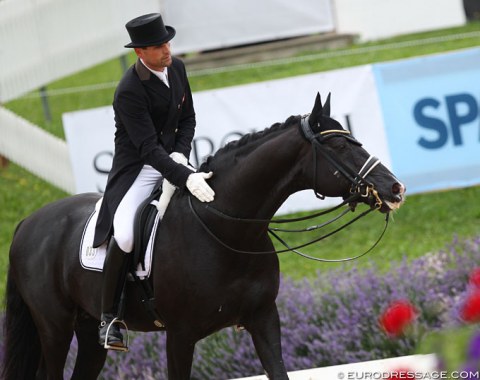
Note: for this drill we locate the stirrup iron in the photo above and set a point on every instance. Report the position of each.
(123, 348)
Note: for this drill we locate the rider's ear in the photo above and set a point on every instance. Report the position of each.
(316, 111)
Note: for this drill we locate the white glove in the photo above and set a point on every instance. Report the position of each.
(199, 187)
(167, 192)
(179, 158)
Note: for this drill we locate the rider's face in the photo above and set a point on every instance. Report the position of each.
(156, 57)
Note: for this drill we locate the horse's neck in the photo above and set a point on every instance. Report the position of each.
(259, 182)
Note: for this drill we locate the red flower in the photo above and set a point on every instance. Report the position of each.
(470, 311)
(398, 316)
(475, 278)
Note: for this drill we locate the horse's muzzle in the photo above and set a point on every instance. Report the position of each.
(396, 199)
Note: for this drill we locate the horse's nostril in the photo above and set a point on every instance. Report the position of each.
(398, 188)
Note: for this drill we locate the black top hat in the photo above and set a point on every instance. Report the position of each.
(148, 30)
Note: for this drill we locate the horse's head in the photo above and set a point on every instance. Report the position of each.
(349, 169)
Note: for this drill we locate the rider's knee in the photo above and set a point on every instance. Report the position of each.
(125, 243)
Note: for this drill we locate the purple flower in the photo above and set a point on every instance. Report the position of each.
(473, 352)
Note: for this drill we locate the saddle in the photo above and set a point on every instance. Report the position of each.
(144, 223)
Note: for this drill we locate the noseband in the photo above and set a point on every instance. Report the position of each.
(360, 187)
(359, 184)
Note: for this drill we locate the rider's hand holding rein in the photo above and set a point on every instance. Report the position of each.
(199, 187)
(196, 183)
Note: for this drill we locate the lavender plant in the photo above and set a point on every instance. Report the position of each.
(328, 321)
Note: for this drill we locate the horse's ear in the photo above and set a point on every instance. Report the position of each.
(316, 111)
(326, 106)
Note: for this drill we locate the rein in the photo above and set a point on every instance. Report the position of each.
(288, 248)
(296, 251)
(360, 188)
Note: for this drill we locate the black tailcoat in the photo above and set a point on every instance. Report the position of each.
(152, 121)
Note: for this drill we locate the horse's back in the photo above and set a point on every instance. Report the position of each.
(54, 222)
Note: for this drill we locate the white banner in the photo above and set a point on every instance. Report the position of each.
(227, 114)
(89, 136)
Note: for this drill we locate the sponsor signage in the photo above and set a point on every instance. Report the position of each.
(431, 114)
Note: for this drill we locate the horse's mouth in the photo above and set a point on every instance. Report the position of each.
(394, 199)
(379, 202)
(382, 204)
(394, 204)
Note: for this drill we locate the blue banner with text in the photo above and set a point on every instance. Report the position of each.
(431, 113)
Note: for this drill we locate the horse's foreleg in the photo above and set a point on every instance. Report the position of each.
(265, 330)
(179, 355)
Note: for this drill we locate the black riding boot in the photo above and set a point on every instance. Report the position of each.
(114, 275)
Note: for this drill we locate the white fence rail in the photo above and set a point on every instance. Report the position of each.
(36, 150)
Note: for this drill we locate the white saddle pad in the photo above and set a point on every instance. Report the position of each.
(93, 258)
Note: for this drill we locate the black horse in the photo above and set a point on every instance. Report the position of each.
(200, 285)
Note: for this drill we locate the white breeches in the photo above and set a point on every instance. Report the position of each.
(125, 214)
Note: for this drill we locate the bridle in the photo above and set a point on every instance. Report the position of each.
(360, 188)
(358, 181)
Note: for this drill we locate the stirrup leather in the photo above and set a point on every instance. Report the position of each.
(107, 346)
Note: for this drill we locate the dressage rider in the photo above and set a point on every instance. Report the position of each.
(155, 124)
